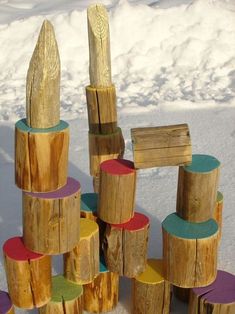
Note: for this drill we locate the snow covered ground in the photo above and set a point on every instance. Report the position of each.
(172, 62)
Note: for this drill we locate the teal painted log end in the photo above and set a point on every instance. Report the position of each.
(103, 266)
(202, 164)
(22, 125)
(89, 202)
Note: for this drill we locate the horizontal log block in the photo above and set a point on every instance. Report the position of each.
(161, 146)
(104, 147)
(89, 204)
(150, 291)
(81, 265)
(6, 306)
(217, 298)
(28, 275)
(125, 246)
(189, 251)
(51, 220)
(181, 294)
(117, 191)
(41, 157)
(66, 298)
(218, 212)
(101, 108)
(197, 188)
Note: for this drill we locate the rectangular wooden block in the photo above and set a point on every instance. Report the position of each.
(161, 146)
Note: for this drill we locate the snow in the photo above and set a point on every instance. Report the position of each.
(172, 62)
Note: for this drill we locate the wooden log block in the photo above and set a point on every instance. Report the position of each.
(96, 184)
(43, 81)
(66, 298)
(51, 220)
(125, 246)
(117, 191)
(101, 108)
(28, 275)
(181, 293)
(6, 306)
(81, 265)
(217, 298)
(161, 146)
(89, 203)
(197, 188)
(41, 157)
(189, 251)
(104, 147)
(150, 291)
(99, 46)
(101, 295)
(218, 212)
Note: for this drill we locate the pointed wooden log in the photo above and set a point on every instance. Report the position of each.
(43, 81)
(6, 306)
(99, 46)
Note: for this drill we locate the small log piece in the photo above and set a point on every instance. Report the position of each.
(51, 220)
(101, 108)
(189, 251)
(28, 275)
(197, 188)
(66, 298)
(150, 291)
(125, 246)
(43, 81)
(117, 191)
(161, 146)
(6, 306)
(89, 203)
(181, 294)
(217, 298)
(41, 157)
(104, 147)
(102, 294)
(81, 265)
(218, 212)
(99, 46)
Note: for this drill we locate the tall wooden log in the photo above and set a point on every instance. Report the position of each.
(99, 46)
(43, 81)
(150, 291)
(189, 251)
(6, 306)
(28, 275)
(218, 212)
(197, 188)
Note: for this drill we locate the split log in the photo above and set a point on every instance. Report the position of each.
(41, 157)
(89, 203)
(28, 275)
(43, 81)
(6, 306)
(99, 46)
(189, 251)
(66, 298)
(218, 212)
(217, 298)
(125, 246)
(104, 147)
(197, 188)
(161, 146)
(101, 108)
(117, 191)
(81, 265)
(102, 294)
(181, 294)
(51, 220)
(150, 291)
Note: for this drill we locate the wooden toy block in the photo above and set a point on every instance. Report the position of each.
(43, 81)
(125, 246)
(101, 295)
(189, 251)
(28, 275)
(150, 291)
(218, 212)
(117, 191)
(89, 203)
(81, 265)
(66, 298)
(6, 306)
(181, 293)
(161, 146)
(101, 108)
(217, 298)
(41, 157)
(103, 147)
(51, 220)
(197, 188)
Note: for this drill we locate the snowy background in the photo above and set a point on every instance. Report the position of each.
(173, 62)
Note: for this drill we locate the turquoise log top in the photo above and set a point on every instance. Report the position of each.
(181, 228)
(103, 267)
(89, 202)
(22, 125)
(202, 164)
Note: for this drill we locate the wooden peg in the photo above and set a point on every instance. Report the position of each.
(43, 81)
(89, 203)
(218, 212)
(6, 306)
